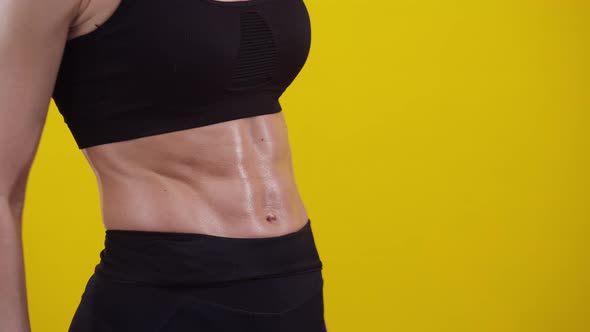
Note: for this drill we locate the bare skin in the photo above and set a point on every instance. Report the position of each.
(232, 179)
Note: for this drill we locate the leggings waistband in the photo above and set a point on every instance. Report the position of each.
(168, 258)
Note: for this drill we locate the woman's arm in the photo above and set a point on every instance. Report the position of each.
(32, 38)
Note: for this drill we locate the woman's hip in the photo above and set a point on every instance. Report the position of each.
(173, 282)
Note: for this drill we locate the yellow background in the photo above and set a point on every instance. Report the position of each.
(442, 150)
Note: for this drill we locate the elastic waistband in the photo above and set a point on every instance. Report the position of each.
(168, 258)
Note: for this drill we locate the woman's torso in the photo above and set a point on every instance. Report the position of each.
(232, 179)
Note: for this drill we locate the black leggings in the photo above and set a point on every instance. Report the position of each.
(187, 282)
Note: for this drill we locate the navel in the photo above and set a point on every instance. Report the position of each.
(271, 217)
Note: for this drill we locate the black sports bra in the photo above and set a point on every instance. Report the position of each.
(158, 66)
